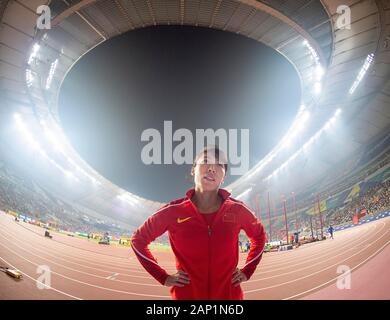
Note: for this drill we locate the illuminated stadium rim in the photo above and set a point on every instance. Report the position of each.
(310, 48)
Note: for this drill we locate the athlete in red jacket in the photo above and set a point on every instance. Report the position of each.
(203, 231)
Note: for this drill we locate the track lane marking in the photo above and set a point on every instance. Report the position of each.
(78, 271)
(343, 250)
(43, 284)
(311, 274)
(355, 267)
(85, 283)
(88, 261)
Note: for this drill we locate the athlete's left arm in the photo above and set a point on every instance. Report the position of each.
(255, 232)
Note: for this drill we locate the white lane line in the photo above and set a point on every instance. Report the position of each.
(325, 283)
(78, 271)
(85, 283)
(305, 261)
(41, 283)
(68, 261)
(279, 259)
(78, 248)
(130, 266)
(112, 277)
(117, 266)
(88, 261)
(343, 251)
(311, 274)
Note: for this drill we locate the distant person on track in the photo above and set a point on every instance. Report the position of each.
(331, 230)
(203, 230)
(296, 237)
(248, 246)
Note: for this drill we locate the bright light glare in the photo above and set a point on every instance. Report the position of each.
(17, 117)
(319, 72)
(305, 147)
(34, 53)
(298, 126)
(53, 139)
(32, 143)
(317, 88)
(59, 147)
(127, 198)
(244, 193)
(29, 78)
(69, 174)
(51, 74)
(302, 121)
(362, 72)
(312, 51)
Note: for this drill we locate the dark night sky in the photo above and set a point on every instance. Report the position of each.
(195, 77)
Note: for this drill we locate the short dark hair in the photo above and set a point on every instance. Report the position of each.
(219, 156)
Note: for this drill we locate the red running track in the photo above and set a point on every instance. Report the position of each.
(82, 269)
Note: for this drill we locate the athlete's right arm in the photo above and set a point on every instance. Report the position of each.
(152, 228)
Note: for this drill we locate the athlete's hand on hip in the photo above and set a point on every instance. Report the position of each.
(179, 279)
(238, 277)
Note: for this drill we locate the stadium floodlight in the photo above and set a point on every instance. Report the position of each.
(319, 72)
(283, 165)
(302, 121)
(307, 144)
(287, 142)
(24, 130)
(243, 194)
(362, 72)
(127, 197)
(312, 51)
(259, 167)
(70, 174)
(304, 117)
(317, 87)
(29, 78)
(17, 117)
(49, 79)
(53, 139)
(43, 153)
(32, 143)
(332, 120)
(59, 147)
(297, 127)
(34, 53)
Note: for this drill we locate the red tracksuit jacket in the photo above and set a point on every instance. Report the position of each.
(209, 255)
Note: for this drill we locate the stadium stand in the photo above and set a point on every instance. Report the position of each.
(26, 198)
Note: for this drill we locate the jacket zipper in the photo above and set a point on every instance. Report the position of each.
(209, 269)
(209, 242)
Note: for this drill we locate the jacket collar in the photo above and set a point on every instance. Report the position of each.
(222, 192)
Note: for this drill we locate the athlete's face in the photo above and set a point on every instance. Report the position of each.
(208, 173)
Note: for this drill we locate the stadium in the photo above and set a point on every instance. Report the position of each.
(331, 168)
